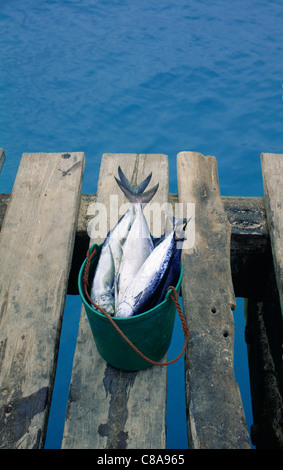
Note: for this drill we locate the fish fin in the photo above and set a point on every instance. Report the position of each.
(118, 279)
(134, 189)
(176, 222)
(142, 198)
(137, 297)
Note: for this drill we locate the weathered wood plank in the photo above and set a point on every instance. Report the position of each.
(264, 337)
(264, 321)
(250, 244)
(250, 251)
(2, 158)
(107, 407)
(4, 201)
(246, 216)
(215, 414)
(36, 247)
(272, 172)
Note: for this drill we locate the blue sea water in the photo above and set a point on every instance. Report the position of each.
(151, 76)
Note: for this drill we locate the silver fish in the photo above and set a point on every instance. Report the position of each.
(103, 285)
(146, 285)
(136, 249)
(139, 244)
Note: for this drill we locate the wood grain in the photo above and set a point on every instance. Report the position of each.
(272, 172)
(109, 408)
(250, 244)
(216, 418)
(36, 246)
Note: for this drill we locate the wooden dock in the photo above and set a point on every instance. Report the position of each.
(237, 252)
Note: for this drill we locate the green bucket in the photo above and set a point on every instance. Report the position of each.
(150, 332)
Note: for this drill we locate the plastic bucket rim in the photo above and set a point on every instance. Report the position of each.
(119, 319)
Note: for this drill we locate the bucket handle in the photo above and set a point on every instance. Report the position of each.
(174, 297)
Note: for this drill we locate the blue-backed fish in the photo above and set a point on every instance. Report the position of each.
(151, 277)
(174, 266)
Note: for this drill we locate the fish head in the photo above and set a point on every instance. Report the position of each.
(124, 310)
(106, 302)
(179, 233)
(180, 229)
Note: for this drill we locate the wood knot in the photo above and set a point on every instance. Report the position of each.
(203, 191)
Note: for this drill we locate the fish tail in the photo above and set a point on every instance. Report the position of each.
(141, 198)
(134, 189)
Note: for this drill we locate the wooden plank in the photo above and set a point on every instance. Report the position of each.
(250, 244)
(272, 172)
(2, 158)
(266, 320)
(36, 247)
(250, 252)
(264, 336)
(216, 418)
(107, 407)
(246, 216)
(4, 201)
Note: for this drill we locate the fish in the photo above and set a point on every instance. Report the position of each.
(136, 249)
(139, 243)
(103, 288)
(173, 273)
(134, 197)
(102, 285)
(150, 280)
